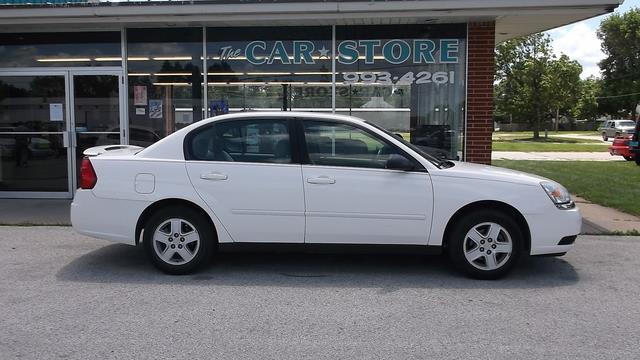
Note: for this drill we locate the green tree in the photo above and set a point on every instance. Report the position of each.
(620, 35)
(587, 105)
(531, 83)
(563, 80)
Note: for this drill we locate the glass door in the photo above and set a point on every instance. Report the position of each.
(35, 156)
(96, 111)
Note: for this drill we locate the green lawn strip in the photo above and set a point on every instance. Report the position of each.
(524, 141)
(540, 146)
(530, 133)
(611, 184)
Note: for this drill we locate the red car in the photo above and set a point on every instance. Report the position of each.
(621, 147)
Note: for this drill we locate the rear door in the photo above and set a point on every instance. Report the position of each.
(351, 198)
(245, 171)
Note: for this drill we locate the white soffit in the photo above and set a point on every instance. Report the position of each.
(513, 17)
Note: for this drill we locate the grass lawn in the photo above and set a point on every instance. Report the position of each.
(613, 184)
(526, 143)
(554, 133)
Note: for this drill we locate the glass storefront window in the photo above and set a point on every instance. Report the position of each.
(269, 68)
(32, 120)
(60, 49)
(165, 80)
(407, 79)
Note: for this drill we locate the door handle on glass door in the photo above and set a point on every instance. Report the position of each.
(214, 176)
(321, 180)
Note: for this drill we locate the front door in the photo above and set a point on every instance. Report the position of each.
(47, 119)
(35, 151)
(352, 199)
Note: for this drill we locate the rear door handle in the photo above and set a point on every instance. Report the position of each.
(215, 176)
(321, 180)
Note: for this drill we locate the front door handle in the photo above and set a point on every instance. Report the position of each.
(215, 176)
(321, 180)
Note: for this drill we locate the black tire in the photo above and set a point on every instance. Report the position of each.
(617, 134)
(189, 220)
(605, 137)
(628, 158)
(638, 159)
(458, 243)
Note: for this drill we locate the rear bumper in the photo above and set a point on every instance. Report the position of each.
(109, 219)
(621, 151)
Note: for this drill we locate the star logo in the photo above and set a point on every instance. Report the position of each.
(324, 52)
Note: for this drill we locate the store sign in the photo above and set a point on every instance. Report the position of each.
(396, 51)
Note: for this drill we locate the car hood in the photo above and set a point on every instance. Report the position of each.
(490, 173)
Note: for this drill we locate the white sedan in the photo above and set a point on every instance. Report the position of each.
(310, 179)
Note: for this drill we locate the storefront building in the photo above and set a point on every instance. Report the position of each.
(80, 74)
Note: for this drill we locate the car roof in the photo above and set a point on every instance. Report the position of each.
(165, 148)
(283, 114)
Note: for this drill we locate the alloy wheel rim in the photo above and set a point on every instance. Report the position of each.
(487, 246)
(176, 241)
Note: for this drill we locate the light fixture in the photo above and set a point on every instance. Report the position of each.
(137, 58)
(225, 73)
(172, 74)
(108, 59)
(172, 58)
(313, 73)
(268, 73)
(139, 74)
(63, 59)
(286, 82)
(171, 84)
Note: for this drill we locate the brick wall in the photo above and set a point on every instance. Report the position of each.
(481, 65)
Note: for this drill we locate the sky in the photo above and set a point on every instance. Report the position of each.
(579, 41)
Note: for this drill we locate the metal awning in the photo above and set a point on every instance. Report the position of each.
(513, 17)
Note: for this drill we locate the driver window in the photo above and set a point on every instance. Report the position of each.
(335, 144)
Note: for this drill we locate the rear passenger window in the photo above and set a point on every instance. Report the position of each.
(335, 144)
(261, 141)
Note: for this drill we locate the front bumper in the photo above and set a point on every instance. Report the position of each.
(548, 230)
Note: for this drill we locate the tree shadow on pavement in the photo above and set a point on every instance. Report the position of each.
(389, 272)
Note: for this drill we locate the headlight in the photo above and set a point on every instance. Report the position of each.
(558, 194)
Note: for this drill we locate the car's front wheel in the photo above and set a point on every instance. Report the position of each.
(485, 244)
(178, 240)
(629, 158)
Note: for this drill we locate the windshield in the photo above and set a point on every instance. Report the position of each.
(432, 159)
(627, 123)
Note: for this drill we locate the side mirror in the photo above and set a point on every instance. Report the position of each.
(399, 162)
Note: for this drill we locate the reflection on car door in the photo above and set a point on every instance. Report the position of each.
(243, 170)
(352, 199)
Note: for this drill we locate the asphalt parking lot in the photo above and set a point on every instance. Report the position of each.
(67, 296)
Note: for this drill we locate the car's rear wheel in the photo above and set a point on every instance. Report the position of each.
(485, 244)
(629, 158)
(604, 136)
(178, 240)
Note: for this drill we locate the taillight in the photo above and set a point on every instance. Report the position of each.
(88, 176)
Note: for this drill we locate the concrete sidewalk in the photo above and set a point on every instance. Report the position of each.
(555, 156)
(596, 219)
(34, 212)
